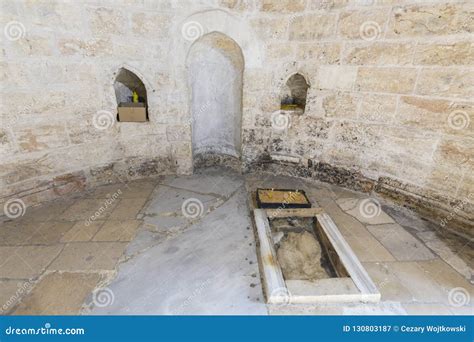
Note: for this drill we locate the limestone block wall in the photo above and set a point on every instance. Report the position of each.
(389, 108)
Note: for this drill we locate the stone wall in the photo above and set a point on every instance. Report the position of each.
(390, 101)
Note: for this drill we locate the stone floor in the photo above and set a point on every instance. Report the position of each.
(186, 245)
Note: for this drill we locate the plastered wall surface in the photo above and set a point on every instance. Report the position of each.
(390, 105)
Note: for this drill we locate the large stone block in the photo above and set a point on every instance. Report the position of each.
(402, 141)
(279, 51)
(363, 24)
(312, 26)
(59, 294)
(386, 80)
(379, 53)
(322, 53)
(87, 48)
(460, 53)
(430, 20)
(155, 26)
(400, 166)
(336, 77)
(377, 108)
(40, 138)
(309, 127)
(25, 103)
(56, 15)
(105, 21)
(341, 106)
(327, 4)
(17, 75)
(443, 116)
(455, 153)
(444, 180)
(238, 5)
(285, 6)
(270, 28)
(447, 82)
(81, 129)
(34, 45)
(178, 133)
(356, 135)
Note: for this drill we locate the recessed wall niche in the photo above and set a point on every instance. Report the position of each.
(293, 97)
(131, 96)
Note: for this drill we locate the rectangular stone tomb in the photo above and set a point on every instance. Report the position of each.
(304, 259)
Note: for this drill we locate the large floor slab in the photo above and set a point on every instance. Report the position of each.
(208, 267)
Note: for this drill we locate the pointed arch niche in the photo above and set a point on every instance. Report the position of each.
(125, 84)
(294, 93)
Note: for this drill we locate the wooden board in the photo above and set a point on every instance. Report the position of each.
(300, 212)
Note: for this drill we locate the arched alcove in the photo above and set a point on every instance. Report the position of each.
(294, 93)
(126, 83)
(215, 74)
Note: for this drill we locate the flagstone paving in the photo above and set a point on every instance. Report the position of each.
(186, 245)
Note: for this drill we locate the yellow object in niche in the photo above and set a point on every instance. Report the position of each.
(135, 97)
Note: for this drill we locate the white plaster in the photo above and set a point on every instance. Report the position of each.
(215, 80)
